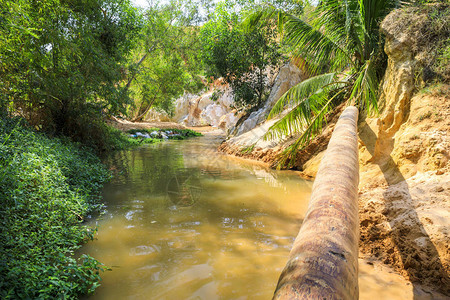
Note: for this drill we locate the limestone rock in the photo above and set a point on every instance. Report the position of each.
(182, 107)
(288, 76)
(213, 113)
(203, 110)
(229, 120)
(156, 116)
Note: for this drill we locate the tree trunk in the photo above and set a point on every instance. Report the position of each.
(127, 86)
(323, 262)
(140, 115)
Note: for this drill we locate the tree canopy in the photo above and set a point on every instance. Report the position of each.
(62, 60)
(241, 57)
(167, 58)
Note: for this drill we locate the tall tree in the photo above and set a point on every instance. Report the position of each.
(64, 66)
(167, 58)
(241, 57)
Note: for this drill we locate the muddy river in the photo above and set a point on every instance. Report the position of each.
(184, 222)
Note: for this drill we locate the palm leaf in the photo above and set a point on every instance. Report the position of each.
(298, 117)
(372, 12)
(313, 128)
(318, 49)
(261, 15)
(364, 89)
(301, 91)
(338, 19)
(302, 39)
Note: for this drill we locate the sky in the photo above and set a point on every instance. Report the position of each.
(140, 3)
(144, 3)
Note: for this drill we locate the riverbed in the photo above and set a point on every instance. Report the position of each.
(185, 222)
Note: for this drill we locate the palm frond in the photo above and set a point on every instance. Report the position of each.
(372, 12)
(338, 20)
(314, 127)
(301, 91)
(318, 49)
(298, 117)
(364, 89)
(262, 14)
(302, 39)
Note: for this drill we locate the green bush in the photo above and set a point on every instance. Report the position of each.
(100, 137)
(181, 133)
(46, 187)
(117, 140)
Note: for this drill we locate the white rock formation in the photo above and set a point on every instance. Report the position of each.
(156, 116)
(288, 76)
(253, 137)
(195, 110)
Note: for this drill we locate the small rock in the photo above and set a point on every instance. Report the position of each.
(437, 189)
(440, 172)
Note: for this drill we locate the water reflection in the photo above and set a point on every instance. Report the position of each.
(183, 222)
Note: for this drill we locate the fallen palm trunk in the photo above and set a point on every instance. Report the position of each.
(323, 263)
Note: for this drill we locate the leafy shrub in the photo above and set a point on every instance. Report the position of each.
(114, 139)
(46, 187)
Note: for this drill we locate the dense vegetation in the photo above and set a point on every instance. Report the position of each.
(62, 61)
(46, 187)
(250, 55)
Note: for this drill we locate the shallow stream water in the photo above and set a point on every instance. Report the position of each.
(184, 222)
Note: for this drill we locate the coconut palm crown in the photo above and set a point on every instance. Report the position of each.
(341, 42)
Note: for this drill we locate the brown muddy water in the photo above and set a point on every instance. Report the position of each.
(184, 222)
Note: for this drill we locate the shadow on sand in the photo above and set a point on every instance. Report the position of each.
(421, 263)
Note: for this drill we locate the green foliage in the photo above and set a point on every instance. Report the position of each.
(117, 140)
(62, 60)
(165, 63)
(176, 134)
(341, 38)
(46, 187)
(241, 57)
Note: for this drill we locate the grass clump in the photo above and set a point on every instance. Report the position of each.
(117, 140)
(101, 137)
(427, 27)
(171, 134)
(47, 186)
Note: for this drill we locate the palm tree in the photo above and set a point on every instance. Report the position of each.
(342, 43)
